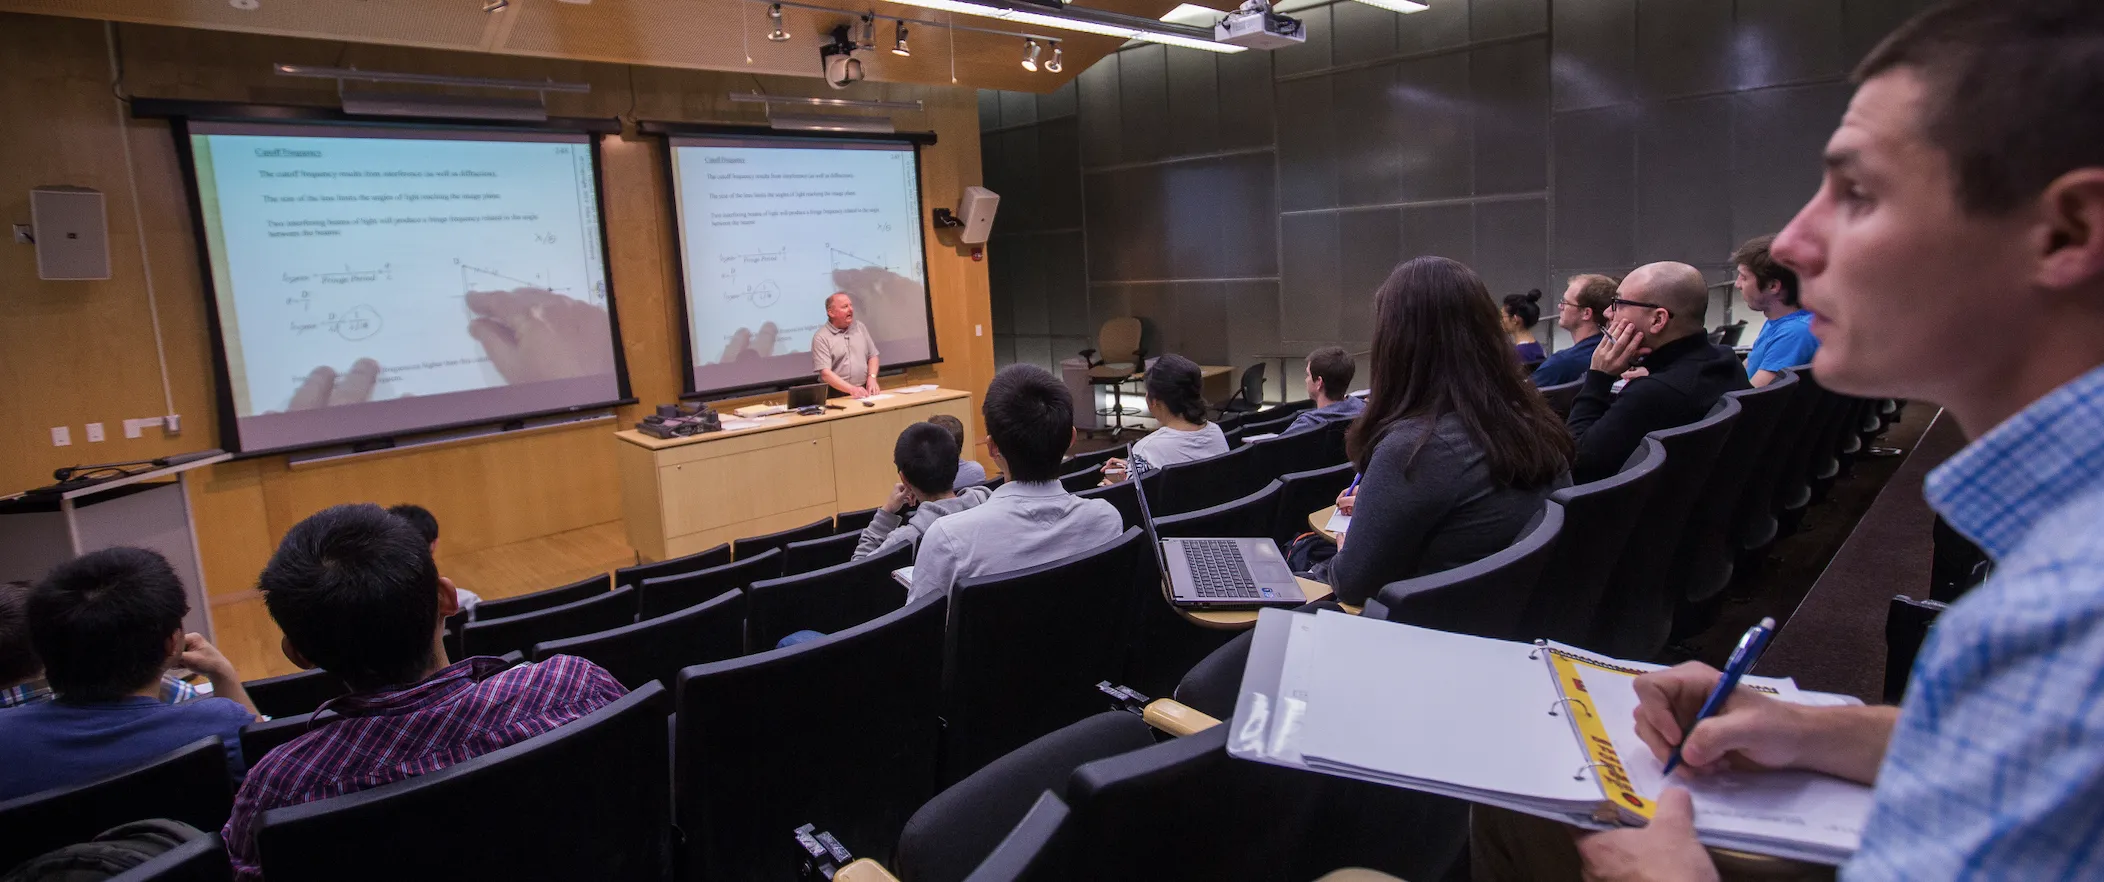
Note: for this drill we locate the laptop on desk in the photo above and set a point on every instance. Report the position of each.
(1219, 573)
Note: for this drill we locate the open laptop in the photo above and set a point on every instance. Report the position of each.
(1219, 573)
(808, 395)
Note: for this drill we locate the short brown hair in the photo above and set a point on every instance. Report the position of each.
(1333, 367)
(2013, 91)
(1755, 258)
(953, 424)
(1596, 292)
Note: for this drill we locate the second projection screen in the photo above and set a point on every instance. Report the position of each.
(771, 227)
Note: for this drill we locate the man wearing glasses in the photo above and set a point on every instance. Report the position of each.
(1655, 321)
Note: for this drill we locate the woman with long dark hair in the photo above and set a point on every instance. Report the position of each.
(1455, 451)
(1177, 403)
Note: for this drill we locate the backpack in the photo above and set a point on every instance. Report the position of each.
(110, 853)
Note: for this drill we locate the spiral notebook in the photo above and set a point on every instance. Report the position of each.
(1543, 729)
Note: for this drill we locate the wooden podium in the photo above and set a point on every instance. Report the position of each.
(149, 509)
(683, 495)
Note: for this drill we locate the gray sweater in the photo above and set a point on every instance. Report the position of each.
(886, 529)
(1443, 513)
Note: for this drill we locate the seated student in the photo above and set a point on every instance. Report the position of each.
(926, 456)
(1657, 315)
(22, 674)
(426, 524)
(356, 593)
(1031, 519)
(1455, 453)
(1522, 313)
(107, 625)
(1330, 372)
(1770, 288)
(1176, 401)
(969, 471)
(1583, 312)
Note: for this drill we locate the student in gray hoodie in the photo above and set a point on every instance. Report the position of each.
(926, 456)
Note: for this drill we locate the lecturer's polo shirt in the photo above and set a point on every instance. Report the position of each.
(844, 351)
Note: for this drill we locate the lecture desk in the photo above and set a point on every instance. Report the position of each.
(683, 495)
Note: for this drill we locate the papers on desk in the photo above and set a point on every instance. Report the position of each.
(904, 576)
(880, 396)
(909, 390)
(1543, 729)
(1339, 522)
(732, 424)
(755, 411)
(1251, 439)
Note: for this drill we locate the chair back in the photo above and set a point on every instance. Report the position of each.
(840, 732)
(1249, 394)
(828, 601)
(1562, 395)
(605, 771)
(1025, 650)
(200, 860)
(1636, 611)
(582, 589)
(1249, 516)
(1095, 458)
(1729, 335)
(1598, 517)
(1081, 479)
(1285, 454)
(656, 649)
(668, 594)
(1232, 434)
(853, 521)
(293, 694)
(1333, 442)
(1488, 598)
(1125, 496)
(817, 554)
(753, 546)
(957, 830)
(1029, 853)
(1204, 483)
(1118, 341)
(1294, 408)
(1214, 684)
(1269, 422)
(1754, 526)
(629, 577)
(519, 633)
(189, 784)
(1703, 563)
(1303, 493)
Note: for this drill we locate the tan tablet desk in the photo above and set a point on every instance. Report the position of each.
(683, 495)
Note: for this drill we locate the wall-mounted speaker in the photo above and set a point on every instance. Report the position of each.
(976, 210)
(72, 233)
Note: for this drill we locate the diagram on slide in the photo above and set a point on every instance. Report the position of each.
(474, 278)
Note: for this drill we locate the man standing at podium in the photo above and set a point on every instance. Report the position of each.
(842, 351)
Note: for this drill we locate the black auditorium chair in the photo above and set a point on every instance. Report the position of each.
(1270, 422)
(1636, 610)
(754, 545)
(1247, 517)
(1487, 598)
(449, 635)
(293, 694)
(582, 589)
(656, 649)
(1802, 464)
(1754, 525)
(668, 594)
(1562, 395)
(1333, 442)
(1025, 650)
(1204, 483)
(519, 633)
(1303, 493)
(629, 577)
(1123, 495)
(1095, 458)
(1213, 685)
(200, 860)
(1232, 434)
(840, 732)
(817, 554)
(853, 521)
(829, 600)
(586, 800)
(1249, 396)
(189, 784)
(964, 824)
(1702, 564)
(1081, 479)
(1907, 624)
(1597, 519)
(1293, 408)
(1029, 852)
(1286, 454)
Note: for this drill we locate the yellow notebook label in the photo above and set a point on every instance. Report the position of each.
(1599, 749)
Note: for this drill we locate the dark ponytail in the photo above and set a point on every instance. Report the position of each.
(1525, 307)
(1174, 381)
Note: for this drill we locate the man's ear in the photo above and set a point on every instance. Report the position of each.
(293, 655)
(448, 599)
(174, 648)
(2072, 255)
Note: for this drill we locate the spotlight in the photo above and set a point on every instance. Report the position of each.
(1055, 65)
(898, 47)
(774, 14)
(1030, 53)
(495, 5)
(869, 32)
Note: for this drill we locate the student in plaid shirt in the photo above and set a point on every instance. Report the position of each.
(356, 593)
(1955, 254)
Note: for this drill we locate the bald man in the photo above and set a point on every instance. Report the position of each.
(1655, 321)
(843, 353)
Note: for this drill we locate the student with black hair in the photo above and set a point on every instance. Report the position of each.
(426, 525)
(969, 471)
(356, 593)
(1522, 313)
(1031, 519)
(105, 626)
(1176, 401)
(926, 456)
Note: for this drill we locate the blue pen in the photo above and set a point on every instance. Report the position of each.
(1354, 486)
(1742, 659)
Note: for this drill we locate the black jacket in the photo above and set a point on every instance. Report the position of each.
(1687, 377)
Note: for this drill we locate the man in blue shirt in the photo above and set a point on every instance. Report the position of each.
(1330, 371)
(106, 625)
(1770, 289)
(1954, 253)
(1582, 311)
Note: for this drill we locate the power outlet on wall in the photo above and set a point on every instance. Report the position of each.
(61, 436)
(94, 432)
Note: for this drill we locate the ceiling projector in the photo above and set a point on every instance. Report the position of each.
(1257, 27)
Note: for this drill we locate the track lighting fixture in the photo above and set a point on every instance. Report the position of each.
(869, 32)
(1055, 65)
(898, 43)
(1030, 53)
(774, 14)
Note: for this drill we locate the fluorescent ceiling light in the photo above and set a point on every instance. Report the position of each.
(1071, 23)
(1195, 16)
(1403, 6)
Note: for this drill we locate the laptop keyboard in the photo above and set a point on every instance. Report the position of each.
(1217, 569)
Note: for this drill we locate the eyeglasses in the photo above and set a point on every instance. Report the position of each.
(1618, 303)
